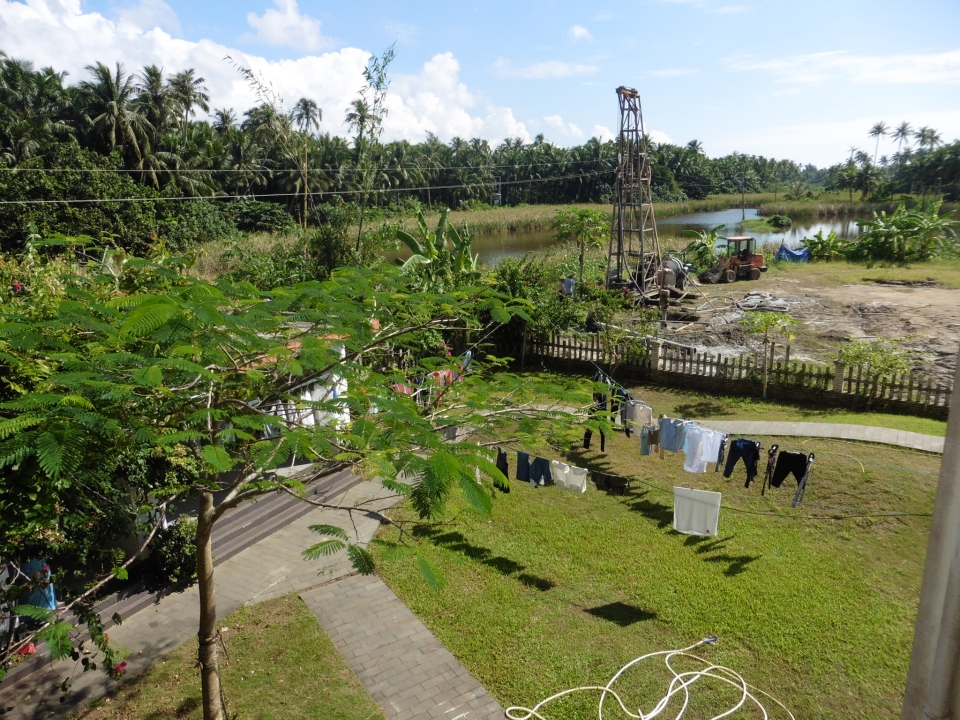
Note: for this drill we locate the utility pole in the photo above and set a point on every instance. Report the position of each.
(933, 689)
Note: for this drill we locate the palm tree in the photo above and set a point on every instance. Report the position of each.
(224, 119)
(154, 100)
(307, 114)
(902, 132)
(188, 92)
(108, 110)
(695, 146)
(358, 117)
(878, 131)
(927, 137)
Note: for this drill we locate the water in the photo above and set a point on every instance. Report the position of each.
(733, 225)
(494, 247)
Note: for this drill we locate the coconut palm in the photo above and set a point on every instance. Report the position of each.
(307, 114)
(878, 131)
(928, 138)
(154, 100)
(358, 118)
(108, 111)
(902, 132)
(189, 92)
(224, 119)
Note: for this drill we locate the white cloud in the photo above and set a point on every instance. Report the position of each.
(568, 129)
(59, 33)
(435, 100)
(930, 68)
(660, 137)
(149, 14)
(579, 32)
(602, 133)
(403, 32)
(730, 9)
(672, 72)
(286, 25)
(549, 69)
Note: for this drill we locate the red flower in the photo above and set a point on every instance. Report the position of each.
(17, 287)
(119, 670)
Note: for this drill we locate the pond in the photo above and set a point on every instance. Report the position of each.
(494, 247)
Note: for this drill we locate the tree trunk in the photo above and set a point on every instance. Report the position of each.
(207, 635)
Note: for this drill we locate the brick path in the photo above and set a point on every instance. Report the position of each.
(864, 433)
(273, 567)
(403, 666)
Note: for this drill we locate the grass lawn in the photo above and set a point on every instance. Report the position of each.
(281, 665)
(557, 590)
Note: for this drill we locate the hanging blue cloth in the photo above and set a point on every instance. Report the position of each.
(785, 253)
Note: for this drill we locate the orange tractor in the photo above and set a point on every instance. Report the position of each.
(738, 260)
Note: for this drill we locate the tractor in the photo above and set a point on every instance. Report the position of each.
(738, 260)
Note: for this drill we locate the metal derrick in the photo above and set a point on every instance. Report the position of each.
(634, 253)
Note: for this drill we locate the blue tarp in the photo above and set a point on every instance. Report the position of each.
(785, 253)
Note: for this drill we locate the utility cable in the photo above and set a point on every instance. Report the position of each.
(681, 683)
(312, 194)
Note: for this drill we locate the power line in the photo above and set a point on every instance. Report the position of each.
(319, 194)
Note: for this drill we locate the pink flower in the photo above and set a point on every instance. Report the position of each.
(119, 670)
(17, 287)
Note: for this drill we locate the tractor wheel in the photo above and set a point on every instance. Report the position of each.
(754, 274)
(729, 276)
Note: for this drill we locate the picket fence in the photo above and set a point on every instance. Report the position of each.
(670, 363)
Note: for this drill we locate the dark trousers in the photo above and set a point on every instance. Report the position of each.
(788, 463)
(589, 434)
(746, 449)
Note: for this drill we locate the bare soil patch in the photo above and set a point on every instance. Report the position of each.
(836, 306)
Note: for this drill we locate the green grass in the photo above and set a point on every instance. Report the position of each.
(281, 665)
(818, 612)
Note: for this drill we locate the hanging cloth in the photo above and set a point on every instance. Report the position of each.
(523, 466)
(789, 463)
(560, 471)
(696, 512)
(504, 467)
(749, 451)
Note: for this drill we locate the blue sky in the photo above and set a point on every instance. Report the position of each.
(798, 80)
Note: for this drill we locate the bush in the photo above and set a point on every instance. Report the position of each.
(174, 554)
(781, 222)
(258, 216)
(184, 224)
(132, 225)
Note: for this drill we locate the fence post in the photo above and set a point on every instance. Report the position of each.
(838, 369)
(655, 348)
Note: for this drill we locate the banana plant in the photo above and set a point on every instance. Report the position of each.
(429, 249)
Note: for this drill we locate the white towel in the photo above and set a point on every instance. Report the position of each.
(560, 472)
(696, 512)
(577, 479)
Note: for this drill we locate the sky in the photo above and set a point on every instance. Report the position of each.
(799, 80)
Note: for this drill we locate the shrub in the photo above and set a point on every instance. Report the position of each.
(258, 216)
(781, 222)
(173, 553)
(184, 224)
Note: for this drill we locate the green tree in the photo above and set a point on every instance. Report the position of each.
(588, 228)
(168, 362)
(878, 131)
(189, 92)
(765, 323)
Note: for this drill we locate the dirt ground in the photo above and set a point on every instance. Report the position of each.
(836, 303)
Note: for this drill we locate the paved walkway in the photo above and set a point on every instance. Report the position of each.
(403, 666)
(864, 433)
(273, 567)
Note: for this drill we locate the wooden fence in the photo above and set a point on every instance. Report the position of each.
(672, 364)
